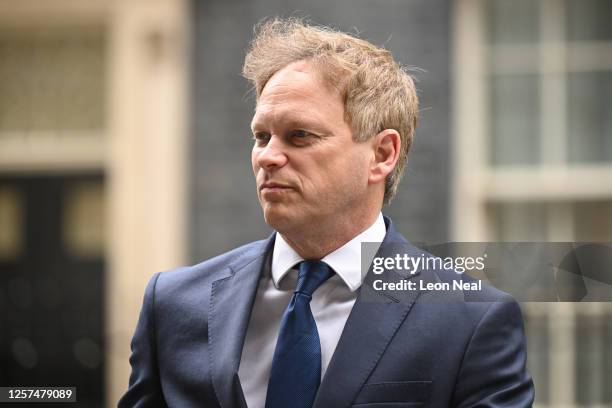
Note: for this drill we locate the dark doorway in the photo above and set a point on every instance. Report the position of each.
(52, 283)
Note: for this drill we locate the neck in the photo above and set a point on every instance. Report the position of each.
(315, 244)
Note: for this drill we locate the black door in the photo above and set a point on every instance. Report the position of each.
(51, 292)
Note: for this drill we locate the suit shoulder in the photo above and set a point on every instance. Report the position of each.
(485, 293)
(213, 268)
(237, 257)
(470, 304)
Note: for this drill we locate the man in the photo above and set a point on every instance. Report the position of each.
(288, 321)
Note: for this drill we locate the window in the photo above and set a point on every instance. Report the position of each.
(533, 162)
(52, 101)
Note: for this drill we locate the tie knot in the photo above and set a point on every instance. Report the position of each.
(311, 275)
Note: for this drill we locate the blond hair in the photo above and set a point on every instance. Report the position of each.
(378, 93)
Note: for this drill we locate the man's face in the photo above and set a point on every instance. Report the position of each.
(309, 171)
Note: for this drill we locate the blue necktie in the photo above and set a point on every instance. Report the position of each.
(296, 365)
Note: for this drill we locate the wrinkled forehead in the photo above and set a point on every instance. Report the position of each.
(320, 68)
(289, 115)
(295, 92)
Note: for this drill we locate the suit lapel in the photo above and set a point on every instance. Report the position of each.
(230, 308)
(371, 325)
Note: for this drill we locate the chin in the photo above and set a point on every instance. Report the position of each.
(279, 217)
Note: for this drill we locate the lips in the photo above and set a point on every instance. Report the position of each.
(273, 190)
(273, 185)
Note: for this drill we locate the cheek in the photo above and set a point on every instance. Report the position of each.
(355, 164)
(254, 162)
(341, 175)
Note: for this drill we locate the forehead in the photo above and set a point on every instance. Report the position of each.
(297, 90)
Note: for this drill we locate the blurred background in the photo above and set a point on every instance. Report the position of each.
(125, 150)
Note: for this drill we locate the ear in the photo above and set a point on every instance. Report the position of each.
(386, 147)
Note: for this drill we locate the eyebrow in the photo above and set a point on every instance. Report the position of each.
(290, 120)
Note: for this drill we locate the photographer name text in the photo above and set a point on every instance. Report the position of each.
(379, 284)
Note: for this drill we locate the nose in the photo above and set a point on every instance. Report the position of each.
(271, 155)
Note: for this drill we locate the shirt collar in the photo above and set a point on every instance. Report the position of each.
(345, 261)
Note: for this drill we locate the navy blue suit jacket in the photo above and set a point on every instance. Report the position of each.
(401, 349)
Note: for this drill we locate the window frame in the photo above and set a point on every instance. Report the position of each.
(556, 183)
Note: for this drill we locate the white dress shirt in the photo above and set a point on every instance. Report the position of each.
(331, 305)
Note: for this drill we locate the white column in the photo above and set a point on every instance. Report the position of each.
(147, 163)
(470, 122)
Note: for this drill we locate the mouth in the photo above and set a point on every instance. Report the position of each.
(272, 187)
(272, 190)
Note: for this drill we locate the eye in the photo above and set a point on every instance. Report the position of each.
(300, 137)
(300, 134)
(261, 138)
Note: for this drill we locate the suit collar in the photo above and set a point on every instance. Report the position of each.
(231, 302)
(371, 325)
